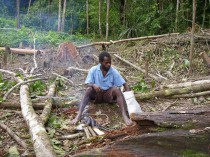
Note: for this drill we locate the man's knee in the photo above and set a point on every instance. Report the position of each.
(116, 91)
(89, 91)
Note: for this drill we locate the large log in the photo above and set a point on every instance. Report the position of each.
(22, 51)
(197, 117)
(171, 92)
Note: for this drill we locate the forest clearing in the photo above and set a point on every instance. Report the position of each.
(155, 68)
(158, 49)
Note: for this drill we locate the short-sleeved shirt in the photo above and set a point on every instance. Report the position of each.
(112, 78)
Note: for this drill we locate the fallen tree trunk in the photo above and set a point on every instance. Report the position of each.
(22, 51)
(171, 92)
(198, 117)
(185, 84)
(126, 40)
(37, 106)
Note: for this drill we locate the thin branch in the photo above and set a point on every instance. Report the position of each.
(138, 68)
(71, 82)
(19, 84)
(13, 135)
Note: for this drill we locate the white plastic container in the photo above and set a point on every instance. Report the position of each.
(132, 105)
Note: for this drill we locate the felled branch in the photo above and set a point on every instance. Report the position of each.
(13, 135)
(126, 40)
(138, 68)
(19, 84)
(47, 109)
(70, 81)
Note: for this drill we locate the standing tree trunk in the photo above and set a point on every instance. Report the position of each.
(71, 19)
(29, 5)
(18, 13)
(59, 16)
(87, 16)
(177, 15)
(192, 36)
(64, 16)
(124, 12)
(107, 19)
(204, 14)
(99, 17)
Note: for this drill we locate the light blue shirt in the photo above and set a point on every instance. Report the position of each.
(112, 78)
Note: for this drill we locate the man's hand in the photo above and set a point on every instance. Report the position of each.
(96, 88)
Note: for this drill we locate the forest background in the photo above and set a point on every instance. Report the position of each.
(56, 21)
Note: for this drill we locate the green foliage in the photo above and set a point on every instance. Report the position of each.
(54, 122)
(5, 85)
(38, 87)
(13, 152)
(7, 23)
(192, 153)
(141, 86)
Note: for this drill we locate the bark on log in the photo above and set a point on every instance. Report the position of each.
(48, 107)
(126, 40)
(198, 117)
(185, 84)
(170, 92)
(23, 51)
(41, 141)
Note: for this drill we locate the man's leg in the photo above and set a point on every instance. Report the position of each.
(85, 100)
(115, 92)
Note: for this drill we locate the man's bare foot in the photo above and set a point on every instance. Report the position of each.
(127, 120)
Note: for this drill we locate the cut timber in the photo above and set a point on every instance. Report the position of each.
(171, 92)
(65, 137)
(23, 51)
(99, 132)
(199, 117)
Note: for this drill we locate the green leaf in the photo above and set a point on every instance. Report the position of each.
(13, 152)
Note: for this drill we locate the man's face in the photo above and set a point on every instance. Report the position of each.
(106, 64)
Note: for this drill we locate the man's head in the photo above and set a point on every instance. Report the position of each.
(105, 60)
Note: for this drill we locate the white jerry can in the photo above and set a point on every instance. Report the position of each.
(132, 105)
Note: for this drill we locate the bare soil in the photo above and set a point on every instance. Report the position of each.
(166, 57)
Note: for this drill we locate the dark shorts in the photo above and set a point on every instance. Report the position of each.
(107, 96)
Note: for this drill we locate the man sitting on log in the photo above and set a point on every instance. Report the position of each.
(103, 83)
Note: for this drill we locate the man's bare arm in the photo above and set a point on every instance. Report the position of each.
(126, 87)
